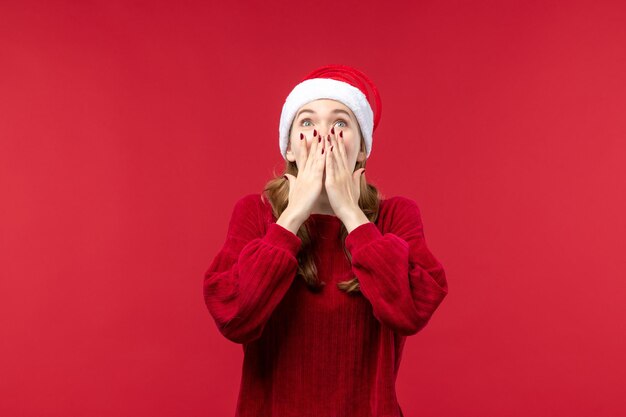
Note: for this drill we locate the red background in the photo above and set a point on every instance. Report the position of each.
(129, 129)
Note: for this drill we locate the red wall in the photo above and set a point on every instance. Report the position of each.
(129, 129)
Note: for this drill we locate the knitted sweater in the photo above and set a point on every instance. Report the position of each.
(325, 354)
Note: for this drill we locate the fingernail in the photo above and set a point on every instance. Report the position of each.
(341, 134)
(332, 130)
(362, 172)
(285, 177)
(314, 132)
(322, 151)
(301, 136)
(331, 148)
(319, 139)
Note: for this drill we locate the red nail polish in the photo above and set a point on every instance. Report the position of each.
(332, 130)
(331, 148)
(322, 151)
(319, 139)
(301, 136)
(341, 134)
(314, 132)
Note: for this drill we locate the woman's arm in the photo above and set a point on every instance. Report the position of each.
(250, 274)
(397, 272)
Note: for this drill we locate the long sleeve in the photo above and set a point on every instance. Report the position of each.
(397, 273)
(250, 274)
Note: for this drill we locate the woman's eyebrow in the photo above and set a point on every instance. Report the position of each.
(334, 112)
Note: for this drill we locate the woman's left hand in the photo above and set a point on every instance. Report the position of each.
(342, 185)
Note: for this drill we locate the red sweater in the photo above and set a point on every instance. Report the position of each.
(326, 354)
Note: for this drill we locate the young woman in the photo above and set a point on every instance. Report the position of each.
(320, 278)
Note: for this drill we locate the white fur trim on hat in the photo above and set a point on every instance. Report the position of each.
(317, 88)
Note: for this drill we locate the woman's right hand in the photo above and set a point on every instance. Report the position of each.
(305, 189)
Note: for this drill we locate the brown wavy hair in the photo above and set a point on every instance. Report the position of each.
(277, 192)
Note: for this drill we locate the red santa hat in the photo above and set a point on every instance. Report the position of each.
(338, 82)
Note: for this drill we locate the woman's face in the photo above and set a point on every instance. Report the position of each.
(322, 115)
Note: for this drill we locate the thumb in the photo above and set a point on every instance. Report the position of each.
(289, 178)
(356, 176)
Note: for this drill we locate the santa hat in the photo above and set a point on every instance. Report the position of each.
(338, 82)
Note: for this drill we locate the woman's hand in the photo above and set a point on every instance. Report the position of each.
(342, 185)
(305, 189)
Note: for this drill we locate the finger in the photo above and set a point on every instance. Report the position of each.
(356, 179)
(330, 166)
(289, 178)
(357, 186)
(343, 155)
(330, 161)
(338, 164)
(304, 151)
(321, 154)
(312, 155)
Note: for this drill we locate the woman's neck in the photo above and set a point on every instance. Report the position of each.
(322, 206)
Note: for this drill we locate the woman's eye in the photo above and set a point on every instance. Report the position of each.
(309, 121)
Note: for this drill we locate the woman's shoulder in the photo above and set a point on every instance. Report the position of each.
(397, 203)
(250, 213)
(252, 200)
(255, 206)
(396, 210)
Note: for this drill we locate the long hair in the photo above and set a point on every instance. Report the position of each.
(277, 192)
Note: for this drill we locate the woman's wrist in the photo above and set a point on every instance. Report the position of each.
(290, 220)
